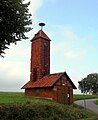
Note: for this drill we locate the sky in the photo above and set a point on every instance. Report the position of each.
(72, 26)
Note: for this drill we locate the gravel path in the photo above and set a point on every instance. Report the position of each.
(88, 104)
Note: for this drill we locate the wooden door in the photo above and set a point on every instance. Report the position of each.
(70, 96)
(62, 94)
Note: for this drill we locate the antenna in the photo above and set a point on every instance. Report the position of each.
(41, 24)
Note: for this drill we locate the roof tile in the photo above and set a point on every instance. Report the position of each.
(40, 34)
(46, 81)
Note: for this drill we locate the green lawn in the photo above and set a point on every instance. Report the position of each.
(19, 98)
(15, 106)
(81, 97)
(10, 98)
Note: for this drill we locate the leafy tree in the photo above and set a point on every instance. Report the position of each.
(14, 21)
(89, 83)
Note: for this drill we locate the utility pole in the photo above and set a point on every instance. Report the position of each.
(83, 84)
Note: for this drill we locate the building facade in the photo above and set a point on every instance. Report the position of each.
(57, 86)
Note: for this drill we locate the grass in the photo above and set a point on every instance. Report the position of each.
(10, 98)
(15, 106)
(19, 98)
(81, 97)
(96, 102)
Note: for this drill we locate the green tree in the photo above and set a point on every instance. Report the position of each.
(14, 22)
(89, 83)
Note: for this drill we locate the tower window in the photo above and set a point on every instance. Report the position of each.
(34, 74)
(46, 58)
(46, 72)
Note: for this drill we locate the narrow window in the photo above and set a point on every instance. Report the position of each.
(46, 58)
(34, 74)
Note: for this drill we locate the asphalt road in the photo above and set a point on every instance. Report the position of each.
(88, 104)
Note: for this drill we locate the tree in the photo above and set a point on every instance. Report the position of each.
(14, 22)
(89, 83)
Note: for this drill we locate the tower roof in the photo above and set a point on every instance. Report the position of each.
(41, 34)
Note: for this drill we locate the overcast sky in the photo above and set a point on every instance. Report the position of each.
(72, 25)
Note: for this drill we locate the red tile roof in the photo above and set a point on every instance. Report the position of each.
(47, 81)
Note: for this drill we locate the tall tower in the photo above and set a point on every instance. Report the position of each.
(40, 55)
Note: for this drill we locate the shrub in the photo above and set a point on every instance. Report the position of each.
(40, 112)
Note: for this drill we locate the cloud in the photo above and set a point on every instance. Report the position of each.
(34, 5)
(76, 54)
(67, 53)
(15, 67)
(70, 55)
(69, 46)
(70, 34)
(51, 1)
(13, 76)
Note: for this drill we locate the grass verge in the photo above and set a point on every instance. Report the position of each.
(81, 97)
(96, 102)
(15, 106)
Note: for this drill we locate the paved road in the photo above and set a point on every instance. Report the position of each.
(89, 104)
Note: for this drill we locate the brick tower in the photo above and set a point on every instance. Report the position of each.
(40, 55)
(42, 84)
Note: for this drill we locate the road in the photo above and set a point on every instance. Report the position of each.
(88, 104)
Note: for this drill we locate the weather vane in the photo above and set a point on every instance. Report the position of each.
(41, 24)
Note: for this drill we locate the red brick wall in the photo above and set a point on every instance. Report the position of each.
(47, 93)
(29, 92)
(63, 91)
(44, 93)
(63, 81)
(40, 57)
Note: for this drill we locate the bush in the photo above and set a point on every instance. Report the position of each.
(15, 106)
(40, 112)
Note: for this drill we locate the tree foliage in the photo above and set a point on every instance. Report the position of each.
(14, 21)
(89, 83)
